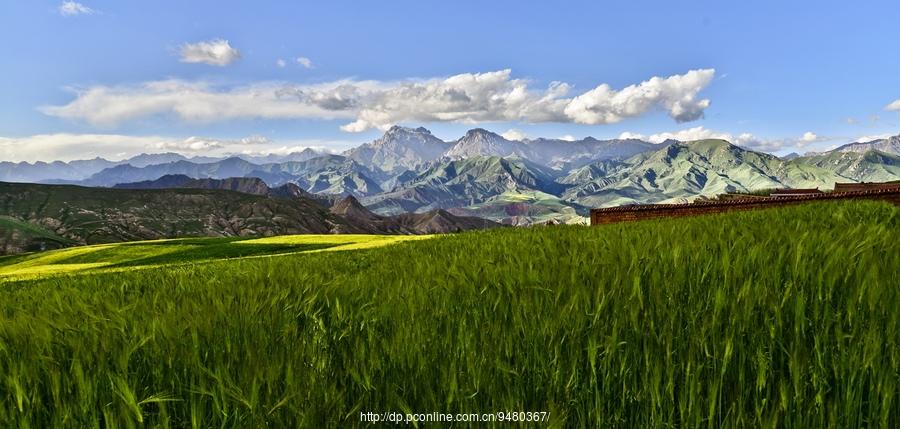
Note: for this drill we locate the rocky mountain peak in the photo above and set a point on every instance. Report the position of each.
(400, 148)
(350, 208)
(481, 142)
(481, 134)
(890, 145)
(397, 131)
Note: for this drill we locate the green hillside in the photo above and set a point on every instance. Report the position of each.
(684, 171)
(774, 318)
(526, 208)
(119, 257)
(103, 215)
(461, 183)
(17, 236)
(870, 166)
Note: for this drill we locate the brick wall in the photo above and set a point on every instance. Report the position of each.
(856, 187)
(654, 211)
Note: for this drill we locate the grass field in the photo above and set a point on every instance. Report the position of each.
(776, 318)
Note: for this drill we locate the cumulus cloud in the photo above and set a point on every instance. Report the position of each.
(467, 98)
(568, 138)
(676, 94)
(894, 106)
(810, 137)
(71, 8)
(217, 52)
(198, 102)
(199, 144)
(688, 134)
(514, 134)
(190, 144)
(305, 62)
(281, 63)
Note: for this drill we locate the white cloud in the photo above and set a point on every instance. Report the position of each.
(675, 94)
(281, 63)
(568, 138)
(689, 134)
(630, 135)
(73, 146)
(868, 138)
(65, 146)
(198, 102)
(71, 8)
(305, 62)
(894, 106)
(198, 144)
(190, 144)
(467, 98)
(254, 139)
(217, 52)
(514, 134)
(810, 137)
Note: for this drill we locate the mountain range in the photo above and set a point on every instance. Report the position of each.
(409, 170)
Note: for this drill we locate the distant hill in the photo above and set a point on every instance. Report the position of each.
(17, 236)
(34, 216)
(458, 183)
(100, 215)
(57, 170)
(431, 222)
(247, 185)
(127, 173)
(327, 174)
(682, 171)
(869, 166)
(80, 170)
(347, 207)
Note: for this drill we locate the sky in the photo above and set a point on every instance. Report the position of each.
(114, 79)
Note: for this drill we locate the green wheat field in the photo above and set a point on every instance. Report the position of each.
(776, 318)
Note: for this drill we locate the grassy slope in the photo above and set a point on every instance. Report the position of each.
(155, 253)
(17, 236)
(784, 317)
(102, 215)
(537, 208)
(711, 167)
(870, 166)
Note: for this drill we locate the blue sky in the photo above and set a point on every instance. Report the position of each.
(114, 78)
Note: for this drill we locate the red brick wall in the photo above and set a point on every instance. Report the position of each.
(654, 211)
(856, 187)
